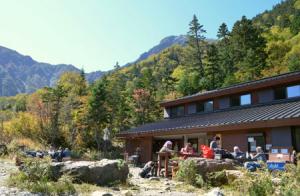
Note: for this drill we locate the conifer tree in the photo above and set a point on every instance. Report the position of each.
(248, 49)
(223, 31)
(212, 68)
(195, 40)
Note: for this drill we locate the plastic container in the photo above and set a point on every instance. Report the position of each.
(276, 166)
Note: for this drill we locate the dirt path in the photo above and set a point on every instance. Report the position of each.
(6, 168)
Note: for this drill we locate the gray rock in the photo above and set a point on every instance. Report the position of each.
(215, 192)
(6, 191)
(95, 172)
(233, 174)
(276, 181)
(101, 193)
(212, 165)
(127, 193)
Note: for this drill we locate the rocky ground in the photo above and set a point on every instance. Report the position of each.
(6, 167)
(136, 185)
(159, 186)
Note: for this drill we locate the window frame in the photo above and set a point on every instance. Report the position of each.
(201, 107)
(292, 86)
(236, 100)
(250, 99)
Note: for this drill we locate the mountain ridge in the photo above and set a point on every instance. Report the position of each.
(22, 74)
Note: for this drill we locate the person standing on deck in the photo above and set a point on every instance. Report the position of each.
(214, 144)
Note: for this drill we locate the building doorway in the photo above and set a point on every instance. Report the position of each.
(255, 140)
(296, 138)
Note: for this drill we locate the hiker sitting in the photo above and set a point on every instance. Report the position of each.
(260, 155)
(148, 170)
(187, 150)
(51, 152)
(237, 154)
(294, 157)
(66, 154)
(39, 154)
(167, 147)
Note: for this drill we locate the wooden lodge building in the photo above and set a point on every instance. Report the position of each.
(262, 113)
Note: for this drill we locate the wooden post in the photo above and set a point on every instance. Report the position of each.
(159, 164)
(166, 164)
(163, 156)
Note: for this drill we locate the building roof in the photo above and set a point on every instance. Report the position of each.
(278, 110)
(246, 86)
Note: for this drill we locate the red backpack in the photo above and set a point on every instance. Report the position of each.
(207, 152)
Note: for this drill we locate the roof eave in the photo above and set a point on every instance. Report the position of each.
(234, 90)
(231, 127)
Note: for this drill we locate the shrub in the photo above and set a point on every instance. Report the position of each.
(258, 183)
(14, 146)
(36, 177)
(188, 173)
(94, 155)
(217, 178)
(290, 180)
(76, 154)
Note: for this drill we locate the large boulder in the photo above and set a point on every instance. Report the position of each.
(95, 172)
(212, 165)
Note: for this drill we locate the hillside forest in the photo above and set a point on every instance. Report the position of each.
(74, 113)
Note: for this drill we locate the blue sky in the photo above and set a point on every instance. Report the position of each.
(94, 34)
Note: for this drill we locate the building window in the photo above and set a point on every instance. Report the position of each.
(192, 109)
(240, 100)
(200, 107)
(293, 91)
(246, 99)
(208, 106)
(280, 93)
(180, 111)
(177, 111)
(235, 101)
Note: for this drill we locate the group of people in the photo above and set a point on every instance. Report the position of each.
(167, 147)
(237, 153)
(251, 160)
(214, 145)
(58, 155)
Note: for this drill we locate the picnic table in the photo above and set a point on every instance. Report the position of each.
(187, 155)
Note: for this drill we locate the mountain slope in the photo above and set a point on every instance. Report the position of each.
(163, 44)
(22, 74)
